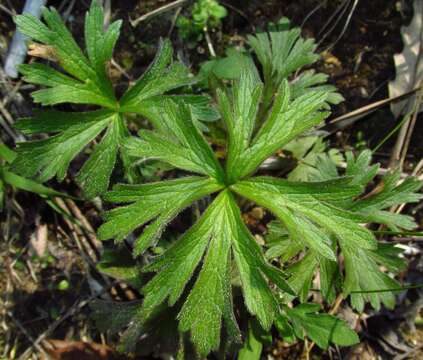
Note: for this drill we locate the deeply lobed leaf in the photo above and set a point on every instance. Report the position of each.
(84, 80)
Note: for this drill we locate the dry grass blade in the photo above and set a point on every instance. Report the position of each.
(345, 120)
(72, 311)
(157, 11)
(403, 141)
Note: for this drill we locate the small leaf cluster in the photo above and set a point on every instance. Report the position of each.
(318, 219)
(204, 14)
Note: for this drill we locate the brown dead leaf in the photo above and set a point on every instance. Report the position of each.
(42, 51)
(80, 350)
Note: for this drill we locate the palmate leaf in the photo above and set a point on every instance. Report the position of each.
(315, 215)
(84, 80)
(261, 116)
(302, 272)
(281, 52)
(315, 201)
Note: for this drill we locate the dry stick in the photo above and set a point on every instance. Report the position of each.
(344, 29)
(408, 138)
(12, 93)
(8, 122)
(86, 228)
(308, 16)
(240, 12)
(174, 20)
(68, 10)
(209, 42)
(7, 11)
(7, 128)
(333, 311)
(87, 241)
(367, 109)
(34, 343)
(120, 69)
(342, 8)
(157, 11)
(72, 311)
(403, 141)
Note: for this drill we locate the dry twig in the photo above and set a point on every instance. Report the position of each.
(157, 11)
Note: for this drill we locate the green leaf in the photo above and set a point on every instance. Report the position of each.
(240, 118)
(321, 328)
(112, 316)
(304, 231)
(359, 168)
(119, 264)
(287, 119)
(330, 279)
(313, 201)
(363, 279)
(253, 346)
(219, 230)
(89, 82)
(161, 76)
(392, 193)
(302, 273)
(182, 146)
(84, 80)
(210, 299)
(7, 154)
(44, 159)
(22, 183)
(282, 52)
(280, 243)
(161, 200)
(99, 43)
(62, 88)
(312, 156)
(95, 174)
(309, 81)
(252, 268)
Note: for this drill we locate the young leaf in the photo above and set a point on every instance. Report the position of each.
(321, 328)
(287, 119)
